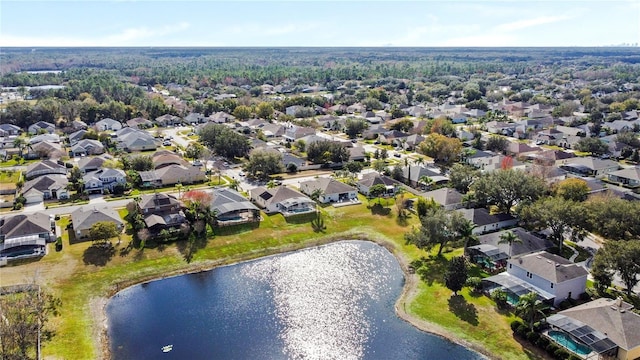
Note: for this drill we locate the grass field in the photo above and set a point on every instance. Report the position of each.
(81, 276)
(9, 177)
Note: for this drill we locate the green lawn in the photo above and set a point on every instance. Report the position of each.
(10, 177)
(74, 276)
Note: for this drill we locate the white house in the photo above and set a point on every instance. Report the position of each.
(98, 181)
(552, 277)
(330, 190)
(486, 222)
(108, 124)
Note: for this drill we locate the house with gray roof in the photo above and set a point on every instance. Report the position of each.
(41, 126)
(107, 124)
(373, 178)
(44, 149)
(45, 167)
(590, 166)
(9, 130)
(232, 208)
(629, 177)
(45, 187)
(282, 199)
(53, 138)
(168, 119)
(418, 175)
(88, 164)
(608, 327)
(25, 235)
(103, 179)
(447, 198)
(87, 147)
(552, 277)
(329, 190)
(486, 222)
(130, 139)
(86, 216)
(74, 137)
(491, 253)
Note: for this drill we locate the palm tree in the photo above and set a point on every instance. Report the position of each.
(234, 184)
(465, 231)
(508, 237)
(425, 181)
(419, 160)
(19, 143)
(271, 184)
(530, 308)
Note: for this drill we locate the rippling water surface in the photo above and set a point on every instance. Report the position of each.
(330, 302)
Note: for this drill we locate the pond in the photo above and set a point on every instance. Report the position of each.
(330, 302)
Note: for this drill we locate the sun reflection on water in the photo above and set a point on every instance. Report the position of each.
(320, 298)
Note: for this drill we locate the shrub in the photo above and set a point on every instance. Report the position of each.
(522, 330)
(416, 264)
(475, 283)
(515, 324)
(551, 348)
(533, 337)
(584, 297)
(542, 342)
(560, 354)
(17, 206)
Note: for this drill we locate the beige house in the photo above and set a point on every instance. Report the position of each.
(605, 326)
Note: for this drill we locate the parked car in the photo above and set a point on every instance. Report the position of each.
(166, 143)
(196, 163)
(397, 155)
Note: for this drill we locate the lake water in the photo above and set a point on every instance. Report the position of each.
(330, 302)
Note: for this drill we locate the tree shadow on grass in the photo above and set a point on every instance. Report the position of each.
(377, 209)
(403, 220)
(189, 247)
(432, 269)
(98, 254)
(465, 311)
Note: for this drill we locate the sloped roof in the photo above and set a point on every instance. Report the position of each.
(445, 196)
(327, 186)
(44, 165)
(46, 182)
(227, 200)
(482, 216)
(530, 243)
(149, 201)
(609, 317)
(374, 178)
(84, 217)
(23, 225)
(549, 266)
(629, 173)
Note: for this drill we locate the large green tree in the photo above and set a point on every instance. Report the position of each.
(613, 218)
(594, 146)
(355, 127)
(441, 148)
(506, 188)
(322, 152)
(224, 141)
(530, 308)
(262, 164)
(562, 217)
(572, 189)
(102, 231)
(438, 227)
(461, 177)
(622, 257)
(456, 275)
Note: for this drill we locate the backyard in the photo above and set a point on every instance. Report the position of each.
(84, 278)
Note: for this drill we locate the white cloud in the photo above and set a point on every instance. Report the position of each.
(527, 23)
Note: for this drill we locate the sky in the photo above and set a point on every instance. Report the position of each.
(429, 23)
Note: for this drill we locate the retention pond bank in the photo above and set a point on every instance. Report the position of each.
(330, 302)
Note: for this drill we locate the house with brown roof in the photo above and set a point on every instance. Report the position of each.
(161, 211)
(607, 327)
(139, 123)
(165, 158)
(373, 178)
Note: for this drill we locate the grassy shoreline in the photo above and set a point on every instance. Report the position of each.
(84, 289)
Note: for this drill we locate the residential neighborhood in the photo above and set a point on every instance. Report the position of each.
(529, 180)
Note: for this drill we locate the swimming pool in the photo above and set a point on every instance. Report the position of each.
(569, 343)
